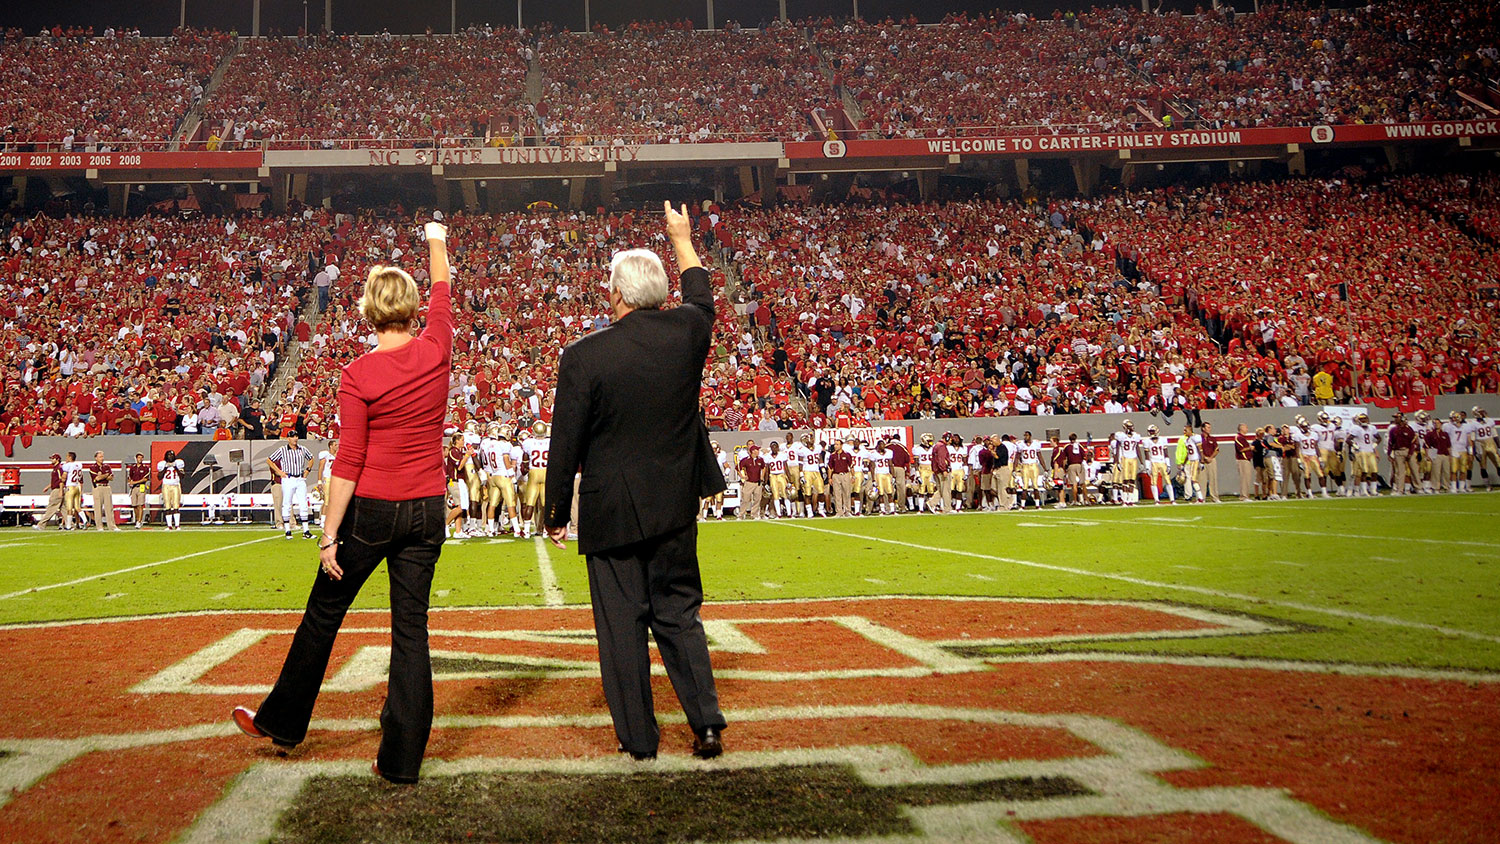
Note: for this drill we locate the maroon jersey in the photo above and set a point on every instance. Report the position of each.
(138, 473)
(453, 462)
(58, 479)
(101, 474)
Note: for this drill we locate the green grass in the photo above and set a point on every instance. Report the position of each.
(1412, 561)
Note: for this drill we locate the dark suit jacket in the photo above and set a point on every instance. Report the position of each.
(627, 412)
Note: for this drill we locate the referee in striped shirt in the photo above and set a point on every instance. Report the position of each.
(289, 463)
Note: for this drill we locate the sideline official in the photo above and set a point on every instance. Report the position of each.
(627, 413)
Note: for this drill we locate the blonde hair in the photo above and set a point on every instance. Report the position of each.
(391, 298)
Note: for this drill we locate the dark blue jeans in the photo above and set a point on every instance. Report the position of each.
(408, 535)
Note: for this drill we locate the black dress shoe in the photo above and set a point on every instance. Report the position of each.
(706, 745)
(639, 757)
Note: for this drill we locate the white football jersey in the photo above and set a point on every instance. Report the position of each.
(798, 452)
(882, 461)
(1029, 453)
(776, 463)
(537, 449)
(171, 473)
(922, 455)
(1484, 429)
(1460, 436)
(1159, 449)
(73, 473)
(1324, 435)
(492, 454)
(1195, 448)
(1307, 442)
(325, 460)
(1365, 438)
(1473, 431)
(1127, 445)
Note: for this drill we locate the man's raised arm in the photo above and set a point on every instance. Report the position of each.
(695, 285)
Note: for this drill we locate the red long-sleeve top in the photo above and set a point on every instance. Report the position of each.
(391, 409)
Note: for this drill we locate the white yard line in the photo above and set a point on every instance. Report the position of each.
(9, 595)
(1326, 534)
(1155, 584)
(552, 594)
(1287, 563)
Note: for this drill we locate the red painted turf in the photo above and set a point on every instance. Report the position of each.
(1399, 759)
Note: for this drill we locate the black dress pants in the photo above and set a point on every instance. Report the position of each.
(408, 535)
(655, 585)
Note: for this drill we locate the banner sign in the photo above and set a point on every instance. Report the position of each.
(1028, 144)
(461, 156)
(238, 159)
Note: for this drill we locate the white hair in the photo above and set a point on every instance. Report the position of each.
(639, 277)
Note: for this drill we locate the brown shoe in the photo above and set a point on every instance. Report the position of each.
(244, 718)
(706, 745)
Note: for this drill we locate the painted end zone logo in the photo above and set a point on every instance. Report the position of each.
(939, 719)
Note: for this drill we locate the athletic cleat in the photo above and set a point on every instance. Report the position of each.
(307, 534)
(288, 535)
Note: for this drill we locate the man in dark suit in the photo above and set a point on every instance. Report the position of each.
(627, 413)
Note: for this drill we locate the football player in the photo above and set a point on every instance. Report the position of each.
(713, 506)
(1482, 443)
(326, 458)
(496, 456)
(814, 488)
(1309, 456)
(776, 463)
(1364, 440)
(1158, 452)
(537, 448)
(884, 487)
(958, 471)
(1125, 448)
(1458, 454)
(796, 456)
(1028, 462)
(170, 470)
(926, 484)
(475, 478)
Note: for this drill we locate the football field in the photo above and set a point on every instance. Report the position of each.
(1323, 670)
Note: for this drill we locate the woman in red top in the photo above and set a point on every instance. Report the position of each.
(385, 502)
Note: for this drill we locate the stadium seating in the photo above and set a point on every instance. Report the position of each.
(289, 92)
(525, 286)
(974, 75)
(100, 315)
(658, 83)
(86, 94)
(1267, 267)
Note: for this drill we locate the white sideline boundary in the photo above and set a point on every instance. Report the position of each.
(7, 596)
(1157, 584)
(552, 594)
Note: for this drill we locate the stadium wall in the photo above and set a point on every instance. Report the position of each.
(201, 477)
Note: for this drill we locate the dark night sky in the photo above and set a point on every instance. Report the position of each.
(158, 17)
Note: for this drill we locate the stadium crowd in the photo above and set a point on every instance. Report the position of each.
(313, 91)
(990, 71)
(144, 325)
(1150, 301)
(665, 83)
(1111, 68)
(525, 285)
(75, 91)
